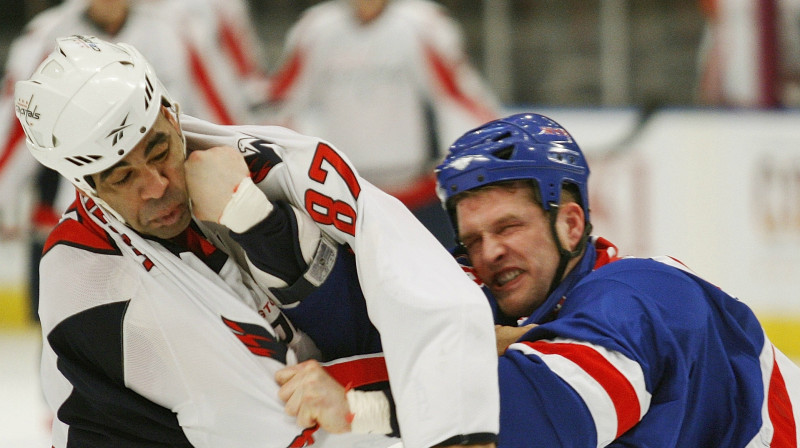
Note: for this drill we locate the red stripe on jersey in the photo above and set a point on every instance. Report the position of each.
(200, 74)
(359, 371)
(447, 78)
(286, 76)
(616, 385)
(11, 144)
(780, 410)
(80, 232)
(231, 41)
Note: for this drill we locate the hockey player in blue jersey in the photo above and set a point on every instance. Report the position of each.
(598, 350)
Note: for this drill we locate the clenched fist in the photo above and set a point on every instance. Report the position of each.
(314, 397)
(211, 177)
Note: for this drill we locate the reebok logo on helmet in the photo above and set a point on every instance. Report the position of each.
(117, 132)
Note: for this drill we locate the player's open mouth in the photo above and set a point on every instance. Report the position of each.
(504, 277)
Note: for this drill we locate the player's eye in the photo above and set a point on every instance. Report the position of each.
(508, 228)
(470, 244)
(161, 155)
(122, 179)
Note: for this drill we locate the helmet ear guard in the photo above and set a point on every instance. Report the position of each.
(87, 105)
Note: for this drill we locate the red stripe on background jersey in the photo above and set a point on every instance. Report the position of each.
(231, 41)
(358, 371)
(12, 143)
(780, 410)
(286, 76)
(447, 78)
(616, 385)
(203, 79)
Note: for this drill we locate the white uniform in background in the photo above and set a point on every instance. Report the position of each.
(227, 26)
(191, 68)
(380, 90)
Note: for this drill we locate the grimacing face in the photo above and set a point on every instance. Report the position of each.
(148, 186)
(510, 245)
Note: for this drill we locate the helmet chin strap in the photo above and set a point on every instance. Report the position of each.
(565, 255)
(176, 108)
(105, 207)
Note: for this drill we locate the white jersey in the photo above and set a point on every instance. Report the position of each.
(434, 324)
(373, 89)
(151, 344)
(192, 69)
(141, 334)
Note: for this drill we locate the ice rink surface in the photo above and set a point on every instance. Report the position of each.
(24, 418)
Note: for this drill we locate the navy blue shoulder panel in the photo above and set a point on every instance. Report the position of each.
(101, 411)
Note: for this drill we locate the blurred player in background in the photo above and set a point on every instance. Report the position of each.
(207, 60)
(166, 288)
(750, 53)
(390, 83)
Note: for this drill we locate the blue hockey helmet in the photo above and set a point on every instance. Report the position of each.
(518, 147)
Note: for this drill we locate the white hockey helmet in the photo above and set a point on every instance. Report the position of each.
(87, 105)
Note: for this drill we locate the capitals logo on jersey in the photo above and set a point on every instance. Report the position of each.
(258, 340)
(260, 157)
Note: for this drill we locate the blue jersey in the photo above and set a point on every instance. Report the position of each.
(641, 352)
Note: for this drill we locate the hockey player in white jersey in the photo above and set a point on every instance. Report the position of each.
(160, 284)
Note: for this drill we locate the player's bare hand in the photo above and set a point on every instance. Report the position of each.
(509, 335)
(313, 397)
(211, 177)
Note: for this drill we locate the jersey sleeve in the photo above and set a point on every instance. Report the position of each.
(601, 359)
(313, 280)
(290, 86)
(600, 392)
(435, 323)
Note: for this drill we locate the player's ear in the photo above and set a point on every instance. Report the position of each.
(167, 113)
(570, 224)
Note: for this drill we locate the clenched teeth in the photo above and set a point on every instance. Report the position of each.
(507, 276)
